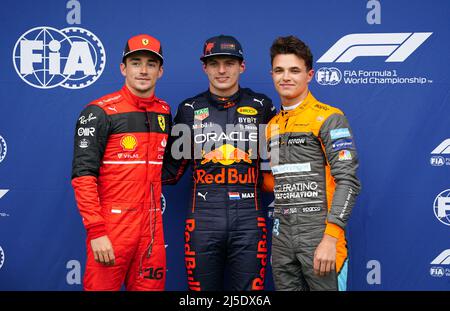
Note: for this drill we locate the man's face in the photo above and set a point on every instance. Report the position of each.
(291, 77)
(223, 74)
(141, 71)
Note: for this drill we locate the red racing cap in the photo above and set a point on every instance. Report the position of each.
(143, 42)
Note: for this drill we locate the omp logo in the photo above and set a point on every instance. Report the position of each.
(398, 46)
(328, 76)
(45, 57)
(3, 148)
(441, 207)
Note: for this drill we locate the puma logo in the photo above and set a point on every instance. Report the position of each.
(202, 195)
(259, 101)
(190, 105)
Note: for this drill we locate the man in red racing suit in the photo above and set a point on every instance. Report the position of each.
(119, 147)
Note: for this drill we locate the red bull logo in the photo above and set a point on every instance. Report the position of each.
(226, 176)
(189, 255)
(258, 282)
(226, 155)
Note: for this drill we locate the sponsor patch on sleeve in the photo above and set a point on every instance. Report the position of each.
(342, 144)
(345, 155)
(339, 133)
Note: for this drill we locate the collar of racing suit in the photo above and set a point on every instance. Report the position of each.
(140, 102)
(225, 102)
(309, 99)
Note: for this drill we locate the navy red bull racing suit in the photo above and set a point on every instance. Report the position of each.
(226, 224)
(119, 147)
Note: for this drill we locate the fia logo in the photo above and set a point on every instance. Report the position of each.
(441, 207)
(3, 148)
(163, 203)
(45, 57)
(328, 76)
(2, 257)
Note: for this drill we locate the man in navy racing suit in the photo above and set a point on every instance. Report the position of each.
(225, 225)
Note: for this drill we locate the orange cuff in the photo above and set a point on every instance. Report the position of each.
(334, 230)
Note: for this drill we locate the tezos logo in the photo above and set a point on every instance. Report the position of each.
(45, 57)
(3, 148)
(441, 207)
(328, 76)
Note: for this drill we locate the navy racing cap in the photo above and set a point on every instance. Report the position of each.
(222, 45)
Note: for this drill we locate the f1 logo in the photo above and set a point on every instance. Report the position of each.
(443, 148)
(3, 192)
(398, 46)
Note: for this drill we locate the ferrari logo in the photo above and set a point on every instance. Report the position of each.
(162, 122)
(144, 41)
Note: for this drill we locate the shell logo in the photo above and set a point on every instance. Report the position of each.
(128, 142)
(249, 111)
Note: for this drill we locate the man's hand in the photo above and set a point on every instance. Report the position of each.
(325, 256)
(103, 250)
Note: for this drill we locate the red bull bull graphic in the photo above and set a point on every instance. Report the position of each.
(226, 155)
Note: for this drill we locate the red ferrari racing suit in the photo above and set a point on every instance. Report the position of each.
(119, 147)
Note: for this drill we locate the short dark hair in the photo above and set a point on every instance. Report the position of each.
(291, 45)
(206, 59)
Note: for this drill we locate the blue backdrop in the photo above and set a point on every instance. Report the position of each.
(391, 80)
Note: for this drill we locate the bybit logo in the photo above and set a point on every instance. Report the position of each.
(45, 57)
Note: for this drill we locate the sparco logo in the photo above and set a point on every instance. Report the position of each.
(441, 207)
(398, 46)
(45, 57)
(3, 148)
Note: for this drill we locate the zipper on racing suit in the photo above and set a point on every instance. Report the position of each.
(152, 208)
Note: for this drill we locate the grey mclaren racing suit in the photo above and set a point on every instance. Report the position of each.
(314, 162)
